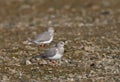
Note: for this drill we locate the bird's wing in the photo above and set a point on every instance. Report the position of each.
(43, 37)
(50, 52)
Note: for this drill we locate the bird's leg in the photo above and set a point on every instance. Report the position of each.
(53, 62)
(42, 45)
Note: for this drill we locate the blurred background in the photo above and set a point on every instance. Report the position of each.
(57, 13)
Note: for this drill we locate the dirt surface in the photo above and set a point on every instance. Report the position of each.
(91, 28)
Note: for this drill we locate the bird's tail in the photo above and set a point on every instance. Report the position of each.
(39, 56)
(35, 58)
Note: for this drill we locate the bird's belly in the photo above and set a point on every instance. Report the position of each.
(57, 56)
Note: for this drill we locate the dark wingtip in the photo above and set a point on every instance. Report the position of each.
(35, 57)
(39, 56)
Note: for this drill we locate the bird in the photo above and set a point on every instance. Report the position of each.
(54, 53)
(44, 38)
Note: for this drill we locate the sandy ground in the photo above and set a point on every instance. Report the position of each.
(91, 28)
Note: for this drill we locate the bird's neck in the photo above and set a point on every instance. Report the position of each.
(61, 49)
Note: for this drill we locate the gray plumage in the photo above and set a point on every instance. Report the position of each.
(44, 38)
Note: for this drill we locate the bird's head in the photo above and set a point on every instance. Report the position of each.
(51, 30)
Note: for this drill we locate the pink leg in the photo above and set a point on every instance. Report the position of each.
(42, 45)
(54, 62)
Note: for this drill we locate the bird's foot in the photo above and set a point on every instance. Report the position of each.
(53, 62)
(42, 45)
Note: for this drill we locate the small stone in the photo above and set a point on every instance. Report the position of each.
(28, 62)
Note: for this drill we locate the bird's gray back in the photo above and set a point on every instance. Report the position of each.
(43, 37)
(50, 52)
